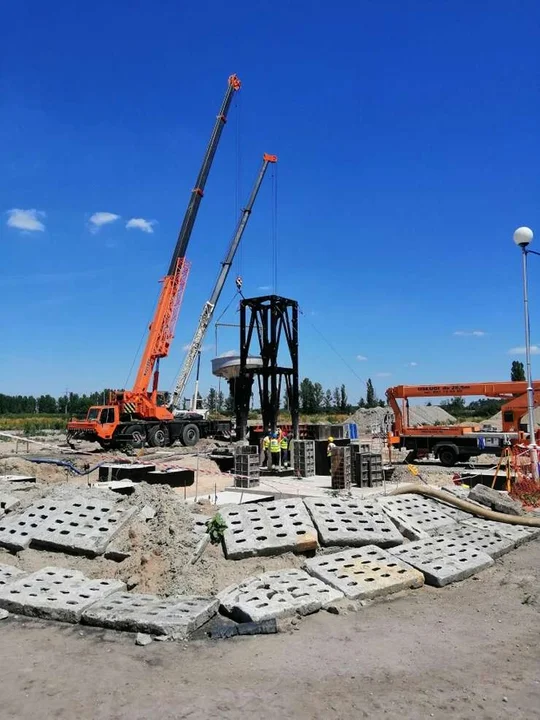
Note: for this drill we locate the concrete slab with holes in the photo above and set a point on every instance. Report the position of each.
(415, 517)
(455, 513)
(55, 593)
(352, 522)
(199, 524)
(277, 594)
(8, 503)
(9, 574)
(176, 617)
(364, 573)
(443, 560)
(518, 534)
(484, 540)
(268, 529)
(80, 525)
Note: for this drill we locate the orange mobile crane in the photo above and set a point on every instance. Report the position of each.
(137, 416)
(454, 443)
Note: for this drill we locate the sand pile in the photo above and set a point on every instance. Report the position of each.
(159, 549)
(368, 421)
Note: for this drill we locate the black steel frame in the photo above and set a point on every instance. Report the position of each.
(267, 320)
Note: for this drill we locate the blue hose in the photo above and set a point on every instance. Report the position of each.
(66, 464)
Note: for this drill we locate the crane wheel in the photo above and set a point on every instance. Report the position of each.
(190, 435)
(158, 436)
(137, 436)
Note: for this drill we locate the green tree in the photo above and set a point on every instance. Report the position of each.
(343, 400)
(46, 404)
(229, 405)
(517, 371)
(307, 396)
(371, 397)
(211, 400)
(336, 398)
(361, 403)
(328, 400)
(318, 397)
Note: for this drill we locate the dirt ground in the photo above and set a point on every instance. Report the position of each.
(14, 454)
(470, 650)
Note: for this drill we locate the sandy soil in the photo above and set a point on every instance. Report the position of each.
(466, 651)
(13, 454)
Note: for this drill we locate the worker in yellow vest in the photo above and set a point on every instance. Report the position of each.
(331, 449)
(266, 449)
(275, 450)
(284, 446)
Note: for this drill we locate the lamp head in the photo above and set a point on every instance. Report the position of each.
(523, 236)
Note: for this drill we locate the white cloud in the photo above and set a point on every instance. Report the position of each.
(228, 353)
(471, 333)
(101, 218)
(535, 350)
(412, 364)
(26, 220)
(264, 287)
(141, 224)
(361, 357)
(384, 374)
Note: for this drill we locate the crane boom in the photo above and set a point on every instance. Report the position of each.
(161, 330)
(209, 306)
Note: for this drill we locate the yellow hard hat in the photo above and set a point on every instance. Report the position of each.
(330, 439)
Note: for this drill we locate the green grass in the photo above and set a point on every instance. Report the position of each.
(32, 424)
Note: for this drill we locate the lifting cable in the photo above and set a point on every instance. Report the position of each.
(362, 380)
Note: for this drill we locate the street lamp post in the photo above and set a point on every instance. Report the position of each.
(523, 237)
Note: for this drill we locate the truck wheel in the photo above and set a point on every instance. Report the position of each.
(137, 436)
(448, 456)
(190, 435)
(158, 436)
(464, 458)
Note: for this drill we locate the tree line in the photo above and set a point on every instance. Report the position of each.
(314, 399)
(67, 404)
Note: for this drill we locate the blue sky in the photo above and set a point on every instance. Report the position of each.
(408, 153)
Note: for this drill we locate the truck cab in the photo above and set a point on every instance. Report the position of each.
(99, 425)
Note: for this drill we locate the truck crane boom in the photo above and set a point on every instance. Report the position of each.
(135, 416)
(209, 306)
(163, 324)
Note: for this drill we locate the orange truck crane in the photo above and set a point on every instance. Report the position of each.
(455, 443)
(137, 416)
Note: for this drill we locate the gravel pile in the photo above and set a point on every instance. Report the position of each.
(419, 415)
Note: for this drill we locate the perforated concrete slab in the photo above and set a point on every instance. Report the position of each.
(16, 530)
(415, 517)
(176, 617)
(518, 534)
(488, 542)
(8, 574)
(268, 529)
(352, 522)
(455, 513)
(55, 593)
(443, 560)
(199, 524)
(79, 525)
(7, 503)
(365, 573)
(277, 594)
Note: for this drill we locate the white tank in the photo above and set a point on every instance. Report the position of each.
(228, 366)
